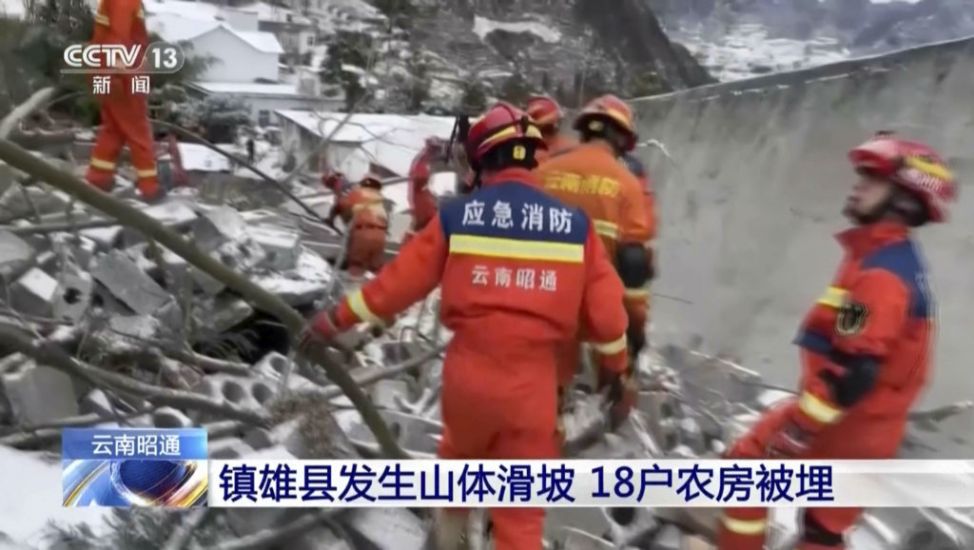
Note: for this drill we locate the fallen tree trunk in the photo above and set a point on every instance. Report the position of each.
(260, 298)
(52, 355)
(43, 139)
(34, 102)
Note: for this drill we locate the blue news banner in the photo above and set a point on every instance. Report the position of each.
(169, 468)
(591, 483)
(134, 467)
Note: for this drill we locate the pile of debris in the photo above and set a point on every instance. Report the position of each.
(132, 335)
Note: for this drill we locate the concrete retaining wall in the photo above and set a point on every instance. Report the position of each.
(760, 175)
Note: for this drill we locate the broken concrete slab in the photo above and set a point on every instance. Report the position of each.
(243, 256)
(273, 366)
(168, 417)
(388, 528)
(419, 436)
(226, 312)
(174, 215)
(281, 245)
(247, 393)
(106, 238)
(34, 293)
(96, 401)
(307, 282)
(129, 284)
(79, 249)
(39, 394)
(15, 255)
(27, 202)
(142, 255)
(217, 226)
(73, 295)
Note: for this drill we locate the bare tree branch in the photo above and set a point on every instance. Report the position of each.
(39, 98)
(129, 216)
(52, 355)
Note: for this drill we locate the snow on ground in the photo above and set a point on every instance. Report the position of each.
(746, 51)
(483, 26)
(390, 141)
(13, 9)
(37, 486)
(201, 158)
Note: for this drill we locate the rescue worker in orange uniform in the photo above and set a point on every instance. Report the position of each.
(363, 211)
(124, 113)
(520, 272)
(421, 200)
(865, 345)
(592, 178)
(638, 169)
(547, 115)
(337, 183)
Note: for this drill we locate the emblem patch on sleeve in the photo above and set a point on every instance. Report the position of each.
(851, 319)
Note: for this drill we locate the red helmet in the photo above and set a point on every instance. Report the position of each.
(500, 124)
(544, 111)
(612, 109)
(911, 165)
(371, 180)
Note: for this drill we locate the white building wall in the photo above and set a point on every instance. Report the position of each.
(233, 59)
(241, 20)
(347, 158)
(271, 104)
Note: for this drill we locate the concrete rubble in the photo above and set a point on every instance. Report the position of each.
(136, 309)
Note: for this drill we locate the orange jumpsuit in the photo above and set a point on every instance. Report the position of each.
(865, 349)
(519, 273)
(364, 213)
(556, 144)
(637, 168)
(124, 114)
(421, 200)
(591, 178)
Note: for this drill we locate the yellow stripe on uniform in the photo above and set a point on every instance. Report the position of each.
(513, 248)
(640, 293)
(101, 164)
(611, 348)
(102, 19)
(744, 526)
(818, 409)
(146, 173)
(356, 302)
(834, 297)
(606, 229)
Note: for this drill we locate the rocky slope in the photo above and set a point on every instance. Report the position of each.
(469, 50)
(741, 38)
